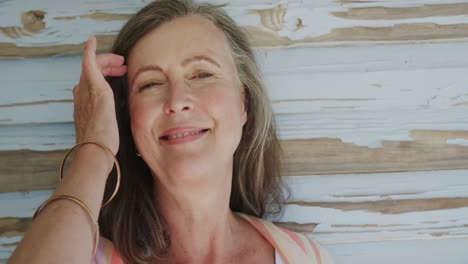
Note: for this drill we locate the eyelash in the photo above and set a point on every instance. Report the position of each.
(201, 75)
(149, 85)
(205, 74)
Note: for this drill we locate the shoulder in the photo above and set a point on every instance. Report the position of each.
(106, 253)
(292, 246)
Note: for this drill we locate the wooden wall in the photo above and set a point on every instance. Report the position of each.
(371, 99)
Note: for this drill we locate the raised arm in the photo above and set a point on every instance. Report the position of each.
(63, 231)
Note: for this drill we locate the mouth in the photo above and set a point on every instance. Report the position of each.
(182, 135)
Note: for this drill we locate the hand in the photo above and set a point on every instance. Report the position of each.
(94, 115)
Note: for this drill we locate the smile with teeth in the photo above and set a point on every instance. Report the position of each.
(185, 134)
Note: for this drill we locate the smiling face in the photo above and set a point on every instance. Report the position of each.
(185, 100)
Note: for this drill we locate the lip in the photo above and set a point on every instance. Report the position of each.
(180, 130)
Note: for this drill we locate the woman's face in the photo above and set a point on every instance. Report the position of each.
(186, 101)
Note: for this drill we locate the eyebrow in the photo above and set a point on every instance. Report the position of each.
(200, 58)
(153, 67)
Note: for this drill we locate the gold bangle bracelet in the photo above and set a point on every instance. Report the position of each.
(78, 201)
(117, 166)
(81, 204)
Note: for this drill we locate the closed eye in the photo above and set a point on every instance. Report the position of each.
(202, 75)
(150, 84)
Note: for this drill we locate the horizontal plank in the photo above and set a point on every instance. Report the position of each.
(11, 231)
(371, 187)
(30, 170)
(24, 170)
(329, 156)
(54, 27)
(10, 227)
(374, 12)
(394, 206)
(451, 251)
(25, 203)
(53, 136)
(364, 128)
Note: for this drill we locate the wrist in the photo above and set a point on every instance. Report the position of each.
(88, 172)
(95, 157)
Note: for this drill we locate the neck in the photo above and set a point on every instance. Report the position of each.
(201, 225)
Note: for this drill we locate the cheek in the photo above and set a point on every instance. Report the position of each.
(227, 106)
(141, 118)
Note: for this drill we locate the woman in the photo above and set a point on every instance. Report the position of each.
(185, 111)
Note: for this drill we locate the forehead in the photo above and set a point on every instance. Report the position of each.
(178, 39)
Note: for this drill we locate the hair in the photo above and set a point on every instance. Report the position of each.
(132, 221)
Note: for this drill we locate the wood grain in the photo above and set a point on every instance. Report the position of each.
(370, 99)
(351, 208)
(408, 251)
(10, 50)
(332, 156)
(32, 23)
(10, 226)
(282, 25)
(381, 13)
(22, 170)
(393, 206)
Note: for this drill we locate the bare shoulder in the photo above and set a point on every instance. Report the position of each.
(253, 246)
(313, 249)
(293, 247)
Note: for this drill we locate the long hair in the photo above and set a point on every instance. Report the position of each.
(132, 221)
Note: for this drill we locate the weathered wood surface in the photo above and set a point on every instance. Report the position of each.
(437, 251)
(370, 97)
(50, 27)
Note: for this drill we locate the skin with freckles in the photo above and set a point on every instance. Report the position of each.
(187, 111)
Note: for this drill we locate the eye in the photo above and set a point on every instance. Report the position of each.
(202, 75)
(150, 84)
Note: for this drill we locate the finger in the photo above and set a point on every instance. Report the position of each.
(115, 71)
(90, 67)
(75, 90)
(89, 53)
(109, 60)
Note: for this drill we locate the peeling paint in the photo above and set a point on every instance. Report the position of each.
(296, 22)
(427, 10)
(458, 141)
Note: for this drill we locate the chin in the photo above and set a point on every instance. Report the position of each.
(189, 169)
(192, 180)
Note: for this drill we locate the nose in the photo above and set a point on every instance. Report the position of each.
(178, 99)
